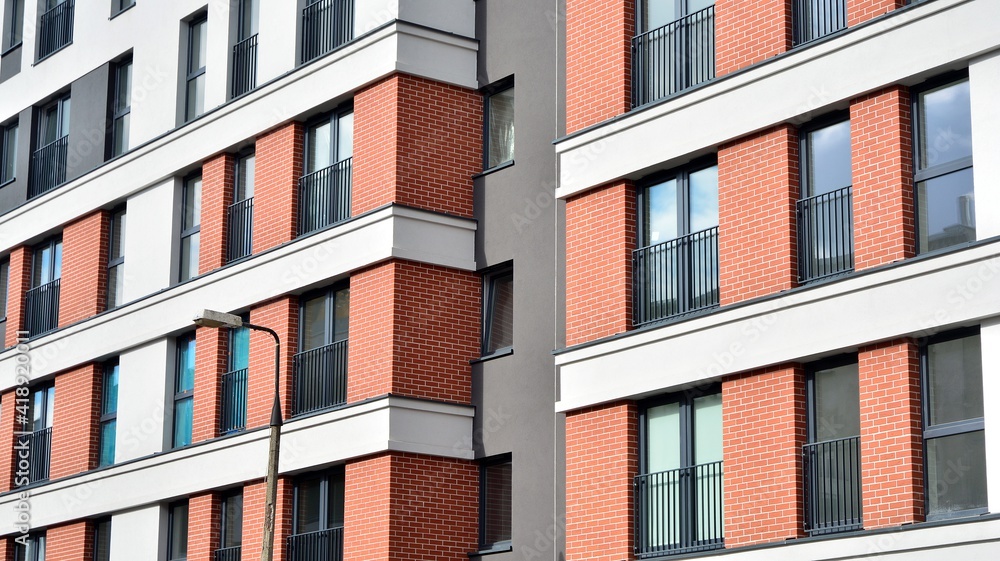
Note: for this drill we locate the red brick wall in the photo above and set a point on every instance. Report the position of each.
(204, 526)
(600, 237)
(254, 495)
(891, 434)
(72, 542)
(217, 177)
(598, 60)
(211, 360)
(882, 175)
(8, 457)
(750, 32)
(602, 459)
(18, 283)
(418, 143)
(75, 421)
(410, 507)
(83, 289)
(758, 187)
(276, 185)
(763, 430)
(859, 11)
(281, 315)
(414, 328)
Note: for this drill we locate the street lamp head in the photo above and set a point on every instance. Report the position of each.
(212, 318)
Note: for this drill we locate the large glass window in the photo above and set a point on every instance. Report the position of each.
(42, 300)
(196, 60)
(946, 201)
(240, 214)
(38, 424)
(330, 140)
(495, 500)
(14, 16)
(102, 540)
(321, 367)
(190, 227)
(500, 124)
(184, 390)
(498, 312)
(824, 213)
(319, 503)
(177, 532)
(49, 160)
(109, 413)
(674, 48)
(116, 259)
(8, 152)
(234, 381)
(30, 549)
(121, 107)
(53, 122)
(325, 188)
(232, 521)
(4, 287)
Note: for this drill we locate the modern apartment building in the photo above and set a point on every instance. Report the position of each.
(782, 305)
(343, 172)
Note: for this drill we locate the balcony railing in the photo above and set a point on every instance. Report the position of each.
(326, 25)
(245, 66)
(826, 235)
(812, 19)
(38, 445)
(679, 511)
(321, 378)
(56, 29)
(674, 57)
(325, 197)
(48, 167)
(675, 277)
(228, 554)
(239, 243)
(41, 308)
(324, 545)
(832, 485)
(234, 401)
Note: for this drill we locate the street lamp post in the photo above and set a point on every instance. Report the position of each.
(214, 319)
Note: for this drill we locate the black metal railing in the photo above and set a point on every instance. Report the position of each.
(832, 485)
(228, 554)
(679, 511)
(674, 57)
(41, 308)
(675, 277)
(239, 242)
(324, 545)
(245, 66)
(321, 377)
(812, 19)
(234, 401)
(325, 197)
(38, 445)
(326, 25)
(48, 167)
(826, 235)
(56, 29)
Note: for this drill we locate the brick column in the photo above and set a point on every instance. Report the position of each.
(281, 315)
(84, 286)
(75, 421)
(217, 179)
(18, 283)
(211, 347)
(882, 177)
(758, 187)
(749, 32)
(891, 434)
(276, 185)
(602, 460)
(860, 11)
(763, 430)
(598, 60)
(204, 526)
(71, 542)
(600, 237)
(253, 518)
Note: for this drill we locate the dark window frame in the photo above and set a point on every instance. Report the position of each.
(62, 105)
(107, 416)
(34, 539)
(329, 294)
(485, 465)
(14, 18)
(223, 517)
(333, 119)
(194, 230)
(241, 188)
(48, 392)
(117, 222)
(810, 370)
(8, 137)
(102, 529)
(191, 73)
(4, 287)
(488, 92)
(171, 508)
(119, 6)
(182, 342)
(325, 477)
(490, 278)
(55, 245)
(241, 32)
(683, 176)
(686, 401)
(120, 111)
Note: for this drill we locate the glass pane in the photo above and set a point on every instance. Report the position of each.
(663, 436)
(501, 127)
(199, 36)
(497, 510)
(249, 23)
(108, 430)
(195, 97)
(123, 87)
(183, 412)
(945, 131)
(189, 257)
(102, 547)
(708, 429)
(704, 199)
(345, 136)
(318, 141)
(307, 505)
(955, 380)
(38, 410)
(17, 22)
(829, 159)
(314, 323)
(116, 286)
(232, 530)
(342, 314)
(10, 154)
(185, 365)
(50, 124)
(192, 203)
(57, 260)
(660, 213)
(837, 407)
(109, 401)
(239, 355)
(41, 264)
(335, 501)
(956, 473)
(947, 210)
(657, 13)
(117, 235)
(178, 531)
(121, 134)
(50, 403)
(4, 287)
(64, 117)
(245, 173)
(501, 313)
(698, 5)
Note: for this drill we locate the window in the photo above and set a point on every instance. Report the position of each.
(946, 202)
(498, 311)
(231, 536)
(954, 436)
(14, 16)
(824, 213)
(8, 152)
(813, 19)
(677, 264)
(42, 301)
(234, 381)
(190, 227)
(4, 287)
(116, 259)
(321, 367)
(102, 540)
(37, 422)
(679, 494)
(325, 189)
(109, 412)
(177, 532)
(48, 162)
(30, 547)
(245, 50)
(319, 505)
(675, 48)
(495, 503)
(56, 26)
(121, 107)
(500, 124)
(240, 219)
(184, 391)
(831, 460)
(196, 57)
(118, 6)
(326, 25)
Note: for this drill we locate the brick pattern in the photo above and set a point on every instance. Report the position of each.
(758, 187)
(410, 507)
(600, 238)
(414, 328)
(749, 32)
(763, 431)
(218, 175)
(598, 60)
(75, 422)
(211, 359)
(18, 283)
(72, 542)
(84, 285)
(417, 142)
(276, 185)
(281, 315)
(882, 175)
(8, 456)
(602, 460)
(860, 11)
(891, 434)
(204, 526)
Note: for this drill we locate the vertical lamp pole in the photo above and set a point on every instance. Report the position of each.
(211, 318)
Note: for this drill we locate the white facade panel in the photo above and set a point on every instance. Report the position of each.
(150, 226)
(145, 384)
(138, 534)
(984, 90)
